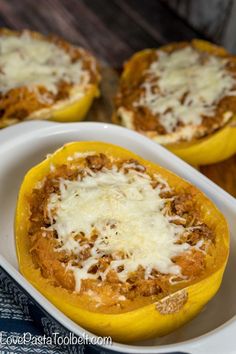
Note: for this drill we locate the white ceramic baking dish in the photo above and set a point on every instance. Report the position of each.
(24, 145)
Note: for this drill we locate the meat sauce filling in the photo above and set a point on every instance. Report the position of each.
(55, 264)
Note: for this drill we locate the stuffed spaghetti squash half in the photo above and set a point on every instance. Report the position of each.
(182, 95)
(118, 242)
(44, 77)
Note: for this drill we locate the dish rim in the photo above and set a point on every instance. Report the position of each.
(14, 134)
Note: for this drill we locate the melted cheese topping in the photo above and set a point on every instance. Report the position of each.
(27, 61)
(126, 213)
(185, 85)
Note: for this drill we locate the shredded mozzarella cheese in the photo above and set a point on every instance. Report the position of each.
(183, 86)
(126, 212)
(31, 62)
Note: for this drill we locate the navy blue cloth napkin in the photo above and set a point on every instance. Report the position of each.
(25, 327)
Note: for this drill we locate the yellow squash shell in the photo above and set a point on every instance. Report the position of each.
(156, 319)
(73, 112)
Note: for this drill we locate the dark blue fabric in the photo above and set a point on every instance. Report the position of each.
(21, 316)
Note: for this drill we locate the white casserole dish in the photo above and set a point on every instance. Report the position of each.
(26, 144)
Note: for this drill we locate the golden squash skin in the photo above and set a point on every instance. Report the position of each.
(156, 319)
(214, 147)
(69, 104)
